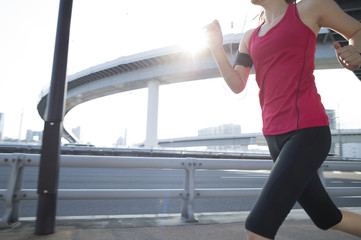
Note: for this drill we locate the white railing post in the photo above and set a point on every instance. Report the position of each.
(189, 189)
(12, 198)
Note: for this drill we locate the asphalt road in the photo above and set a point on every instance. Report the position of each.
(75, 178)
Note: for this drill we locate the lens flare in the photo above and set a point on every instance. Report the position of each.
(194, 41)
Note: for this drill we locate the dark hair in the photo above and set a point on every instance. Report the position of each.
(262, 17)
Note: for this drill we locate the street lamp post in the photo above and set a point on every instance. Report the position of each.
(51, 145)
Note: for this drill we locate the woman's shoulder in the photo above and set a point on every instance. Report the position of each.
(327, 13)
(314, 3)
(248, 33)
(317, 7)
(243, 46)
(246, 38)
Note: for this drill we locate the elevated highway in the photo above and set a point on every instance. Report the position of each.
(171, 65)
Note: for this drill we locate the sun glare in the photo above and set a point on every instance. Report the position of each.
(194, 41)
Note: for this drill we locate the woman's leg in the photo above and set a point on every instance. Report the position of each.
(318, 204)
(350, 223)
(253, 236)
(299, 155)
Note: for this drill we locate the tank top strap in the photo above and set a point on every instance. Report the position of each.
(294, 10)
(291, 11)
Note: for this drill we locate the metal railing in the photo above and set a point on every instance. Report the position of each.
(14, 193)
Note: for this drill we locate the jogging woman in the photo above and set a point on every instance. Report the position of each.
(295, 124)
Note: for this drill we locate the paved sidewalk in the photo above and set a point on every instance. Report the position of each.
(211, 226)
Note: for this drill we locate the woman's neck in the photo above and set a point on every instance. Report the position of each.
(274, 10)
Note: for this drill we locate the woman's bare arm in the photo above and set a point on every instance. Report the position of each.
(330, 15)
(235, 77)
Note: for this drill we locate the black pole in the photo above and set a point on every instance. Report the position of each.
(51, 146)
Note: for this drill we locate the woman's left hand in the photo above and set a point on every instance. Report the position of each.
(348, 56)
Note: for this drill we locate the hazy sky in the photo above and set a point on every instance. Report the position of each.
(105, 30)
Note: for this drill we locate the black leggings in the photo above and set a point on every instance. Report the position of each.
(297, 156)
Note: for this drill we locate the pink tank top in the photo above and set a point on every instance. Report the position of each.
(284, 63)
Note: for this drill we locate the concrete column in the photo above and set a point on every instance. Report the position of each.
(151, 140)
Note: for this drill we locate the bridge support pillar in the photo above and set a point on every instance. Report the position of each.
(151, 140)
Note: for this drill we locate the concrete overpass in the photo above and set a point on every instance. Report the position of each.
(166, 66)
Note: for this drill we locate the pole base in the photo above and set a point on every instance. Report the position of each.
(46, 213)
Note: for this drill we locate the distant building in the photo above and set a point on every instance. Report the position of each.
(1, 126)
(225, 129)
(34, 136)
(332, 118)
(121, 142)
(220, 130)
(76, 131)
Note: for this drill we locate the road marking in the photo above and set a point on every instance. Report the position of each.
(352, 197)
(355, 181)
(338, 182)
(357, 172)
(248, 171)
(248, 177)
(336, 172)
